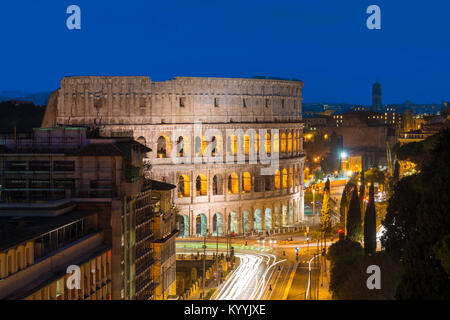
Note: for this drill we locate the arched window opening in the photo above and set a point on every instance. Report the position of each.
(184, 186)
(257, 141)
(217, 185)
(277, 180)
(246, 182)
(285, 179)
(291, 178)
(267, 143)
(276, 143)
(283, 142)
(201, 185)
(295, 141)
(289, 145)
(233, 183)
(182, 144)
(246, 144)
(162, 147)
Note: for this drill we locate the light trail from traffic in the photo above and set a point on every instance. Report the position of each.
(249, 281)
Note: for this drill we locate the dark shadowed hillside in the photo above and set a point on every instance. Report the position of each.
(23, 115)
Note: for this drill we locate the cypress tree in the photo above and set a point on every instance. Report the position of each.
(326, 209)
(354, 228)
(396, 171)
(370, 225)
(345, 200)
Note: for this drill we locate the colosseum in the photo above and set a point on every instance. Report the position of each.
(223, 179)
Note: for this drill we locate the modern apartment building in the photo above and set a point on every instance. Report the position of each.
(57, 174)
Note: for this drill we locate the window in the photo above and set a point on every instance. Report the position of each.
(39, 165)
(216, 102)
(246, 182)
(64, 165)
(184, 186)
(162, 147)
(182, 102)
(16, 165)
(201, 185)
(233, 183)
(267, 103)
(277, 180)
(282, 103)
(244, 103)
(217, 185)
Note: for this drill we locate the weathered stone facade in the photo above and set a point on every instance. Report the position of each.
(210, 195)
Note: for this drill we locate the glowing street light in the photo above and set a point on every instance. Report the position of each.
(344, 155)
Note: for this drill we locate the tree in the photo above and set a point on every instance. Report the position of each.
(345, 202)
(344, 255)
(418, 220)
(370, 225)
(326, 209)
(396, 175)
(354, 228)
(362, 188)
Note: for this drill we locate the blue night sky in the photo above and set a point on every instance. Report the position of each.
(324, 43)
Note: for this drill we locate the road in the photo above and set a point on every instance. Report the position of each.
(262, 272)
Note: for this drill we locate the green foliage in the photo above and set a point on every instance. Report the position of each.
(326, 210)
(375, 175)
(396, 175)
(24, 116)
(344, 255)
(418, 222)
(354, 228)
(370, 225)
(353, 287)
(318, 175)
(345, 202)
(442, 251)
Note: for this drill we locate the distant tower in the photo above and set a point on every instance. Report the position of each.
(376, 96)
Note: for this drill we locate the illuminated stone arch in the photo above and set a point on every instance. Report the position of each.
(182, 146)
(184, 186)
(201, 185)
(183, 226)
(217, 185)
(285, 178)
(246, 221)
(291, 177)
(268, 219)
(233, 225)
(257, 142)
(258, 220)
(291, 214)
(217, 224)
(163, 147)
(233, 183)
(277, 180)
(246, 144)
(201, 225)
(283, 142)
(246, 182)
(267, 143)
(284, 215)
(277, 217)
(276, 143)
(295, 141)
(289, 142)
